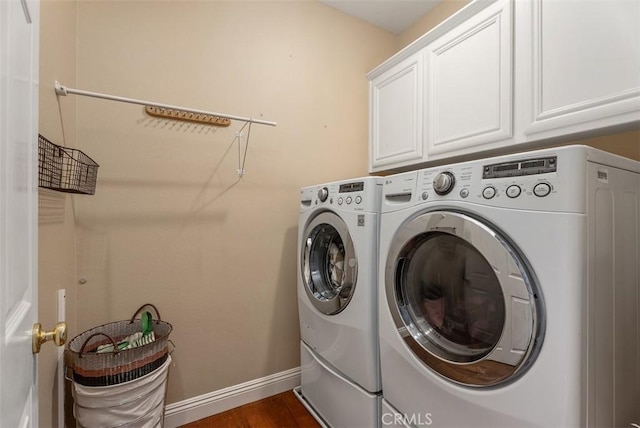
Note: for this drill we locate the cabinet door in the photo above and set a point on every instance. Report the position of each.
(469, 84)
(582, 64)
(396, 115)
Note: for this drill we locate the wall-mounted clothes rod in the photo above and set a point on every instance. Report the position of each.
(63, 90)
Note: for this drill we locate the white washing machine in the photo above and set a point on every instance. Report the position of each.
(509, 292)
(337, 301)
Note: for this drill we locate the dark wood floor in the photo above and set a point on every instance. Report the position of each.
(279, 411)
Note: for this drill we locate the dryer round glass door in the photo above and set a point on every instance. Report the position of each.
(463, 299)
(329, 265)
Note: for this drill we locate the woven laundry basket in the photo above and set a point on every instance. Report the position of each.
(90, 368)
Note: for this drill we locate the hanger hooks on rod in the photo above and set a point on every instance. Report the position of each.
(162, 109)
(64, 91)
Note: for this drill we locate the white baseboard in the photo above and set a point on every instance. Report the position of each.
(193, 409)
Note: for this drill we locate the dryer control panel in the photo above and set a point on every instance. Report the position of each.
(553, 179)
(541, 165)
(541, 180)
(502, 184)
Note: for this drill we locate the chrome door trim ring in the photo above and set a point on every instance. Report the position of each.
(493, 246)
(340, 301)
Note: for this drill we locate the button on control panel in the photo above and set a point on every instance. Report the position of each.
(489, 192)
(514, 191)
(348, 200)
(542, 189)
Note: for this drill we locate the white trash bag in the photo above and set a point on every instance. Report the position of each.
(138, 403)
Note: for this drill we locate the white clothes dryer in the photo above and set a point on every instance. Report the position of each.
(337, 301)
(509, 292)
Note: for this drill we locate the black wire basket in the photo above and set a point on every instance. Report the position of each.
(64, 169)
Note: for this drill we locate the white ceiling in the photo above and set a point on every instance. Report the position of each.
(392, 15)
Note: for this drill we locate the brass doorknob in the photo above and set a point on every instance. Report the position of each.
(58, 335)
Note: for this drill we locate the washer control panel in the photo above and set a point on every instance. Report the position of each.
(528, 182)
(358, 195)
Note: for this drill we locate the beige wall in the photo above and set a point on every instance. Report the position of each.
(170, 222)
(56, 261)
(442, 11)
(625, 144)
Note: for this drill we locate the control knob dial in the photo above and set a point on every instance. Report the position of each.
(323, 194)
(444, 182)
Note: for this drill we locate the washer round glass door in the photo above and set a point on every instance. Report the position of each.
(329, 265)
(463, 299)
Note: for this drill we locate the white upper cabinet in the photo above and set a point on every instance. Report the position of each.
(503, 74)
(469, 80)
(580, 64)
(396, 110)
(447, 93)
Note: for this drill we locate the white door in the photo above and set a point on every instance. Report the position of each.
(19, 22)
